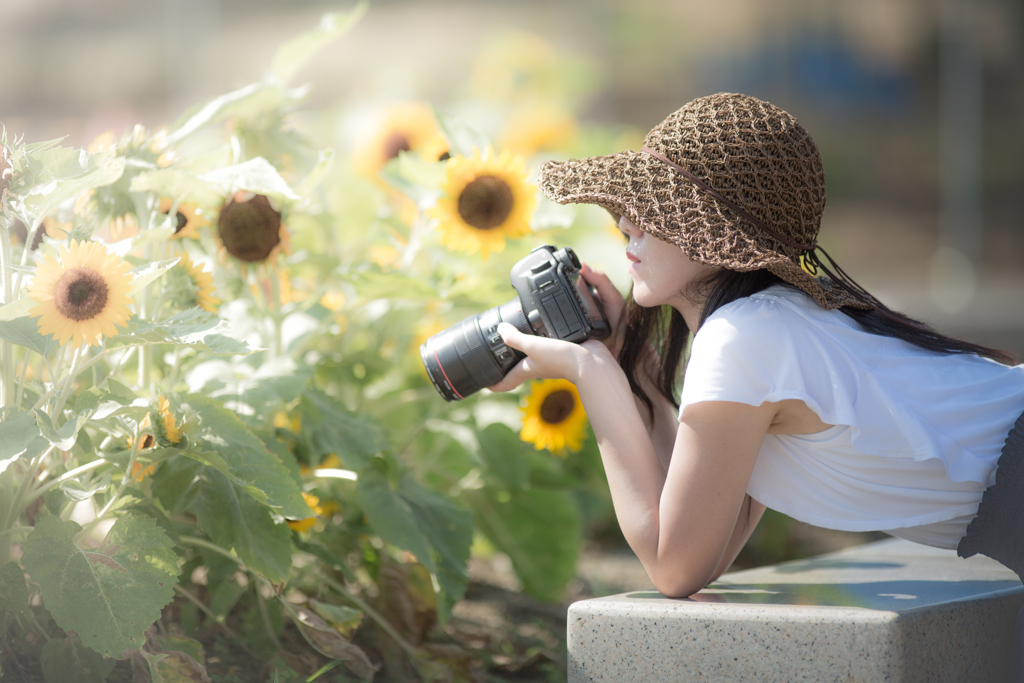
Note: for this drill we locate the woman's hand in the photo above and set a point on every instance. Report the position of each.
(612, 303)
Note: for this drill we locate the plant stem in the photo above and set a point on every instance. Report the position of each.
(6, 349)
(120, 489)
(203, 543)
(373, 614)
(70, 474)
(267, 626)
(21, 380)
(185, 593)
(69, 383)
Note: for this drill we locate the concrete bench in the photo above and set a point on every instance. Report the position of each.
(888, 611)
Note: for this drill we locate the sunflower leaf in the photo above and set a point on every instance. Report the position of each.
(25, 332)
(66, 660)
(247, 461)
(212, 111)
(463, 138)
(16, 309)
(432, 528)
(255, 175)
(49, 176)
(150, 271)
(177, 183)
(331, 428)
(295, 53)
(194, 327)
(63, 438)
(110, 594)
(539, 529)
(13, 589)
(324, 162)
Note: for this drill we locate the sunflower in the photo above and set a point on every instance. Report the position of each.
(166, 429)
(538, 128)
(487, 200)
(188, 217)
(306, 523)
(203, 283)
(406, 127)
(83, 295)
(250, 228)
(553, 417)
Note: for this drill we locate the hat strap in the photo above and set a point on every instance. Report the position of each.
(811, 259)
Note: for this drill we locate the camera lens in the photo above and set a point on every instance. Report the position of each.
(470, 355)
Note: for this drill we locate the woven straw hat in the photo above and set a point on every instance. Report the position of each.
(735, 182)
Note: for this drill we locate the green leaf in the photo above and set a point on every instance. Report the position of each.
(111, 594)
(19, 437)
(295, 53)
(75, 491)
(150, 271)
(255, 175)
(194, 327)
(234, 520)
(274, 383)
(324, 163)
(13, 589)
(63, 438)
(88, 400)
(373, 284)
(326, 556)
(331, 428)
(16, 309)
(120, 393)
(174, 667)
(51, 176)
(414, 177)
(66, 660)
(432, 528)
(214, 110)
(552, 215)
(463, 138)
(501, 451)
(249, 465)
(177, 183)
(539, 529)
(25, 332)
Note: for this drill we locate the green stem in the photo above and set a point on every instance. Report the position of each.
(21, 379)
(203, 543)
(15, 530)
(372, 613)
(6, 349)
(267, 626)
(185, 593)
(24, 488)
(275, 313)
(69, 383)
(120, 489)
(70, 474)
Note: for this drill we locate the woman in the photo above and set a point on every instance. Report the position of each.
(801, 393)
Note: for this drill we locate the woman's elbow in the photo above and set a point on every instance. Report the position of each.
(678, 584)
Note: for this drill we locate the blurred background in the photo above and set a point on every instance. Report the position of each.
(917, 105)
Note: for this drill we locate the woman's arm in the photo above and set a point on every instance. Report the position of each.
(679, 522)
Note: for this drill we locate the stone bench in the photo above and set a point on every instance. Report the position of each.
(887, 611)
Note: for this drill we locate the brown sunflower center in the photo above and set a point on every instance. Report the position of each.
(395, 144)
(486, 202)
(80, 294)
(182, 222)
(148, 441)
(250, 228)
(557, 406)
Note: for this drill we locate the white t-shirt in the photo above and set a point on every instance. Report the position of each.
(916, 434)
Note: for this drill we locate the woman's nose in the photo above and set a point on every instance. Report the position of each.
(628, 227)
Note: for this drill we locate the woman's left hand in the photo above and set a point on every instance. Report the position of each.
(546, 358)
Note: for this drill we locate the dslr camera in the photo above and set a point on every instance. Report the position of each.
(553, 301)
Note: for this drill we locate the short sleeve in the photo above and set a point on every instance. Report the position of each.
(759, 349)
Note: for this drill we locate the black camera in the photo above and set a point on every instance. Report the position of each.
(554, 301)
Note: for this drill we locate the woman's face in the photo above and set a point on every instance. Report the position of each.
(661, 272)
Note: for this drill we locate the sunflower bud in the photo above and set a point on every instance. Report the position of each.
(249, 227)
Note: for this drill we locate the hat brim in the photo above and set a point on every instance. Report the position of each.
(665, 204)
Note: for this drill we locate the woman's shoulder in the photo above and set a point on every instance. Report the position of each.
(776, 310)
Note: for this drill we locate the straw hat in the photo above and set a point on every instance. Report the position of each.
(735, 182)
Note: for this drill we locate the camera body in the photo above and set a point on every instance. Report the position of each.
(553, 301)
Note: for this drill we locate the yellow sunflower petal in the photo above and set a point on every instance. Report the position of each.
(83, 295)
(487, 201)
(553, 417)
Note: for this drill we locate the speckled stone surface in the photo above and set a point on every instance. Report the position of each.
(889, 611)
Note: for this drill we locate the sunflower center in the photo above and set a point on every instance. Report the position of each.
(80, 294)
(249, 229)
(557, 406)
(486, 202)
(395, 144)
(182, 222)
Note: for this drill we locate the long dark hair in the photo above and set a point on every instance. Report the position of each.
(664, 328)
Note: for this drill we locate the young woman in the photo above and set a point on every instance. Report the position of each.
(802, 392)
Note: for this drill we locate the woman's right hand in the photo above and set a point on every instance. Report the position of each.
(612, 303)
